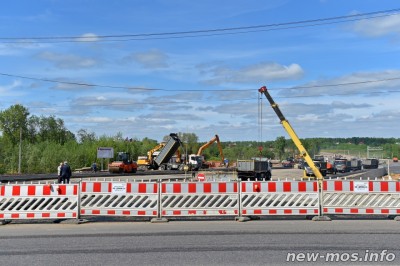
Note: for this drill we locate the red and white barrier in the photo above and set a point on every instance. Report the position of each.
(199, 199)
(111, 198)
(232, 198)
(361, 197)
(280, 198)
(38, 201)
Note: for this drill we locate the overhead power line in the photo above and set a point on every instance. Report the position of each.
(196, 90)
(203, 32)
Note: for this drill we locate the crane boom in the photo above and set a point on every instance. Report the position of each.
(286, 125)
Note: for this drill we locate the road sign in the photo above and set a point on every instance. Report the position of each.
(105, 152)
(201, 177)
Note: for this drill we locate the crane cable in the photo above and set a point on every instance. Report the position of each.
(260, 122)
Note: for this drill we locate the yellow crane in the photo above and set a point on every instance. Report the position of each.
(286, 125)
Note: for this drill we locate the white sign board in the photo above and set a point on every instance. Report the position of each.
(362, 187)
(104, 152)
(118, 188)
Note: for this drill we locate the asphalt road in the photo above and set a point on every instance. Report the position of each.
(261, 242)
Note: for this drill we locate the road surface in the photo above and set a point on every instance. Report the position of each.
(224, 242)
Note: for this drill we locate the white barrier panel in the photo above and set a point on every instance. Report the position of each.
(361, 197)
(119, 198)
(280, 198)
(38, 201)
(199, 199)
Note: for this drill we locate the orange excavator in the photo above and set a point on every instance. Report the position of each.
(208, 144)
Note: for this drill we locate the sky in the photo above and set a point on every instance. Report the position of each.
(149, 68)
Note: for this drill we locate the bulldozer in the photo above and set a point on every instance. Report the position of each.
(123, 164)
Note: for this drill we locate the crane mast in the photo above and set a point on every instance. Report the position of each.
(286, 125)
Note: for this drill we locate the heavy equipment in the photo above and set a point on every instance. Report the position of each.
(370, 163)
(166, 152)
(144, 162)
(355, 164)
(204, 163)
(286, 125)
(255, 169)
(342, 165)
(123, 164)
(321, 165)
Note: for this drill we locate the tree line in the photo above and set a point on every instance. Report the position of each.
(44, 142)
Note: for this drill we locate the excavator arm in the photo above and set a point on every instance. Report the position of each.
(151, 152)
(205, 146)
(292, 133)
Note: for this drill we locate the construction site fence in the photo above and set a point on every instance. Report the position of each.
(163, 199)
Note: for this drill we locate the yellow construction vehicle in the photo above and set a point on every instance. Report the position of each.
(144, 162)
(208, 144)
(292, 134)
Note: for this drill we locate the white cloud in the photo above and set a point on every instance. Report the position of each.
(93, 119)
(364, 83)
(68, 61)
(150, 59)
(254, 73)
(88, 37)
(378, 26)
(10, 89)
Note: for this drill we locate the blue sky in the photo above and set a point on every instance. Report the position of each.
(152, 85)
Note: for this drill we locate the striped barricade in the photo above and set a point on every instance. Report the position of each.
(111, 198)
(280, 198)
(199, 199)
(38, 201)
(361, 197)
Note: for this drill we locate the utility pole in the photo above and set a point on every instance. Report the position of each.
(20, 150)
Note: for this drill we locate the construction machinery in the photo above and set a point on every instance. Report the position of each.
(370, 163)
(165, 154)
(321, 165)
(145, 162)
(204, 163)
(286, 125)
(255, 169)
(355, 164)
(123, 164)
(342, 165)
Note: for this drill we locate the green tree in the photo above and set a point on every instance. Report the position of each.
(85, 136)
(13, 122)
(279, 146)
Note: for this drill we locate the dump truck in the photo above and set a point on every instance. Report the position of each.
(165, 154)
(370, 163)
(342, 165)
(254, 169)
(355, 164)
(321, 165)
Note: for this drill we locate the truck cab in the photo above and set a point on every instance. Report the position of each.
(342, 165)
(321, 165)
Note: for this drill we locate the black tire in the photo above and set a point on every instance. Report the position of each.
(268, 176)
(162, 167)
